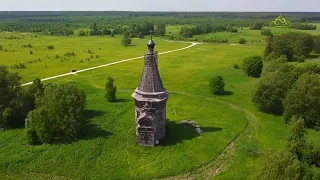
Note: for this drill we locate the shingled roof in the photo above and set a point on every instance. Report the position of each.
(150, 79)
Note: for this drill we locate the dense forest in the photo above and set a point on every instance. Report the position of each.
(64, 23)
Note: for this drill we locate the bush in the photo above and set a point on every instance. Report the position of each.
(302, 58)
(280, 165)
(30, 52)
(303, 100)
(252, 66)
(59, 114)
(242, 41)
(50, 47)
(126, 41)
(110, 90)
(236, 66)
(217, 85)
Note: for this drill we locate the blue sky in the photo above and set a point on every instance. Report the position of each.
(161, 5)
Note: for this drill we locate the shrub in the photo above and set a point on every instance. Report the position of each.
(19, 66)
(217, 85)
(126, 41)
(69, 54)
(50, 47)
(303, 100)
(252, 66)
(59, 114)
(302, 58)
(242, 41)
(30, 52)
(236, 66)
(110, 90)
(280, 165)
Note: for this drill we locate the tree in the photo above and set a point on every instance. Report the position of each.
(82, 33)
(252, 66)
(26, 103)
(307, 68)
(59, 114)
(9, 90)
(270, 92)
(242, 41)
(280, 165)
(217, 85)
(140, 35)
(290, 44)
(303, 100)
(302, 44)
(302, 58)
(281, 45)
(186, 32)
(106, 32)
(160, 30)
(126, 41)
(257, 26)
(266, 32)
(316, 47)
(297, 143)
(268, 49)
(110, 90)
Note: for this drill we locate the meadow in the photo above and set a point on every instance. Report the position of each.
(110, 150)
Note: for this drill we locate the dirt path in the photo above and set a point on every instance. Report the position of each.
(109, 64)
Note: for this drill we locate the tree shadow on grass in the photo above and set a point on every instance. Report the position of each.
(227, 93)
(122, 100)
(87, 132)
(93, 113)
(177, 133)
(93, 131)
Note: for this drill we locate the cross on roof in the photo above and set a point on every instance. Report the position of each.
(151, 33)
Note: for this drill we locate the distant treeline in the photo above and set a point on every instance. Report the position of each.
(65, 23)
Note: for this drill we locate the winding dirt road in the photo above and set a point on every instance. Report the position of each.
(110, 64)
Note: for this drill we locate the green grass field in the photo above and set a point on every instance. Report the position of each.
(110, 151)
(108, 50)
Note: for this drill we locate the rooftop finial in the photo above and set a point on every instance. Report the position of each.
(151, 34)
(151, 44)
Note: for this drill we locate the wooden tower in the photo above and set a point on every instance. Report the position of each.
(150, 101)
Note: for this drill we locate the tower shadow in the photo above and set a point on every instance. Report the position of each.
(177, 133)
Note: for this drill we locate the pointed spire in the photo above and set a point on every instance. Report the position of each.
(150, 79)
